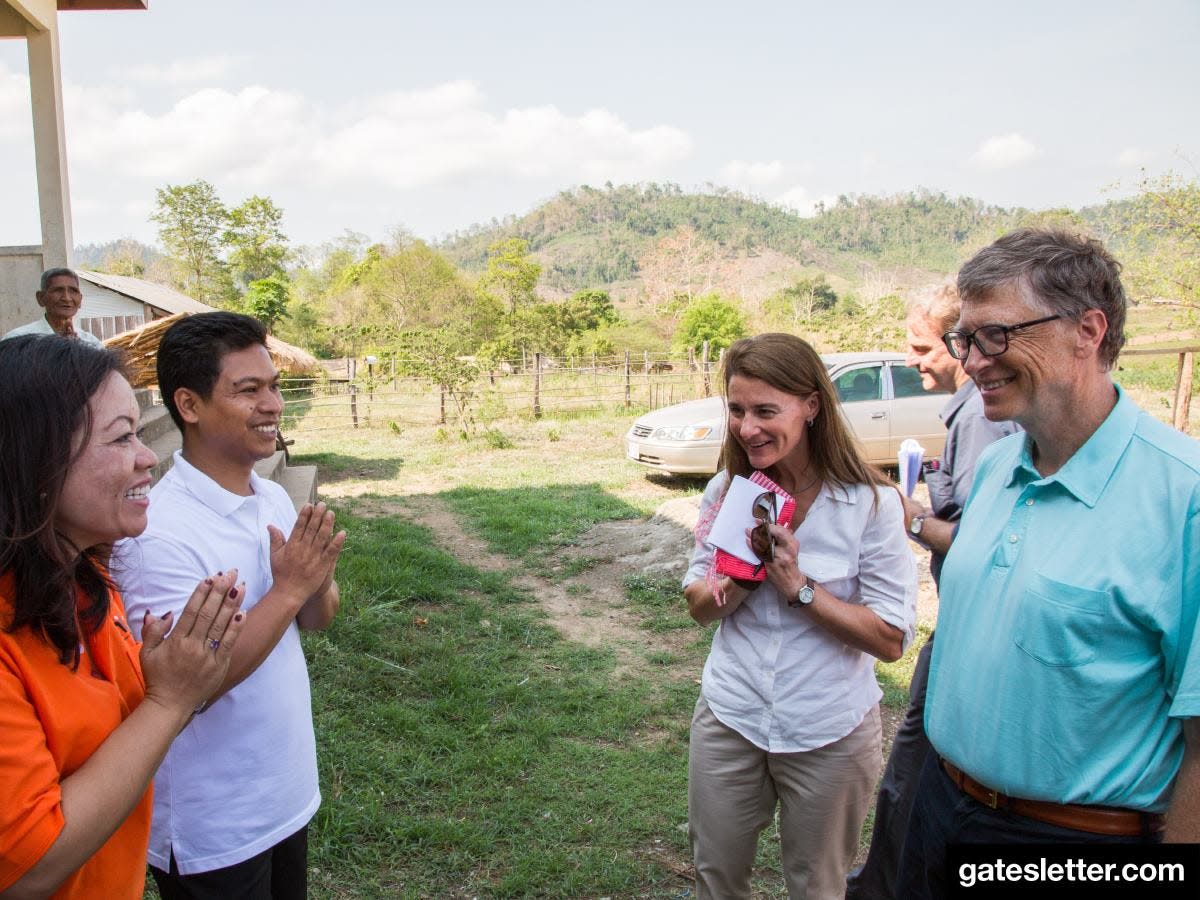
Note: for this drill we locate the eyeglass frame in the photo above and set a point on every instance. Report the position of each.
(763, 525)
(1005, 330)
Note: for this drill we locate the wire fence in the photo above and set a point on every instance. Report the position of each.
(371, 392)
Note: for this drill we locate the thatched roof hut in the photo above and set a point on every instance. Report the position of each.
(140, 347)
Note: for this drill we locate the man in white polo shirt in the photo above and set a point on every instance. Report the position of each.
(234, 796)
(60, 296)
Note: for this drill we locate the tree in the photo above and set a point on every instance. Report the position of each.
(1163, 228)
(801, 301)
(191, 220)
(267, 300)
(710, 318)
(682, 263)
(587, 311)
(512, 274)
(257, 247)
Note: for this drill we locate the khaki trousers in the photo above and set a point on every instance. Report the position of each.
(823, 797)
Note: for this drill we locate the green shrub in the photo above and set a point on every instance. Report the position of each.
(497, 439)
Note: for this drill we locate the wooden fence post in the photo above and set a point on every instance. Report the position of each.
(441, 405)
(537, 385)
(354, 403)
(628, 378)
(1182, 409)
(706, 368)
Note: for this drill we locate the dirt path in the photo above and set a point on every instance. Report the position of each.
(588, 606)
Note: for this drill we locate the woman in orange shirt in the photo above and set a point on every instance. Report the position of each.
(86, 713)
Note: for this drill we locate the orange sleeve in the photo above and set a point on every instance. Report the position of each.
(31, 816)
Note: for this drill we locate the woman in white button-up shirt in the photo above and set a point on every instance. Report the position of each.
(788, 712)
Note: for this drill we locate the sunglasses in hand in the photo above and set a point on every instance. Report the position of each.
(762, 542)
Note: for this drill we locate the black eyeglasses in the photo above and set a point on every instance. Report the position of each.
(992, 340)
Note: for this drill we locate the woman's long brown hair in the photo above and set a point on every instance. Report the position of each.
(45, 385)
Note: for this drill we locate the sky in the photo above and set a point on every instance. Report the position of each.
(373, 116)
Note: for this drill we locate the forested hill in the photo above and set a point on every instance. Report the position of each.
(593, 237)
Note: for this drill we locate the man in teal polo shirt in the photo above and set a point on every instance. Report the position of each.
(1064, 688)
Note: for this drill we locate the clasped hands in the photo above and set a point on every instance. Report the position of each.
(303, 565)
(185, 661)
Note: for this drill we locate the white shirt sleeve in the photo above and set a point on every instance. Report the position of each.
(703, 553)
(155, 576)
(887, 571)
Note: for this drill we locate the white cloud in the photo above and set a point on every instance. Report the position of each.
(180, 71)
(1133, 158)
(753, 174)
(799, 200)
(1005, 151)
(399, 140)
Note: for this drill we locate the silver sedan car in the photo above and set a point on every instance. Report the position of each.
(881, 398)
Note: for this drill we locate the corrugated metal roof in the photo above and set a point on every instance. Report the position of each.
(159, 296)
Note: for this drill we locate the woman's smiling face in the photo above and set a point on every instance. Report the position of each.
(769, 424)
(105, 494)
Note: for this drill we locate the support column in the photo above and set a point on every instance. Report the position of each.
(50, 148)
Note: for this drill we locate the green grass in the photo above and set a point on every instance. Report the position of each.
(466, 748)
(532, 523)
(659, 600)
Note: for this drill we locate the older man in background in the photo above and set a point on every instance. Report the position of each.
(931, 313)
(61, 298)
(1065, 687)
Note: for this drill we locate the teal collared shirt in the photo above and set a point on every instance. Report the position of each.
(1067, 648)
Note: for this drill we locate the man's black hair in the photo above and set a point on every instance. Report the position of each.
(191, 351)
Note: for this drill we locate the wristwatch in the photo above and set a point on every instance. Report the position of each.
(804, 596)
(915, 524)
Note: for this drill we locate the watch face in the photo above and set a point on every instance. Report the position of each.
(914, 526)
(805, 595)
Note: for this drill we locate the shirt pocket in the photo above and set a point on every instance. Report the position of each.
(828, 571)
(1060, 624)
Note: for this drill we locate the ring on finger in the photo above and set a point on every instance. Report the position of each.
(213, 644)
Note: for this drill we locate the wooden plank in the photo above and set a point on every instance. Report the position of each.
(1159, 351)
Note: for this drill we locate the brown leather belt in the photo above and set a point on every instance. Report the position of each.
(1092, 819)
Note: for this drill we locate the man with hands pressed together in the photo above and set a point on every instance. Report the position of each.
(236, 792)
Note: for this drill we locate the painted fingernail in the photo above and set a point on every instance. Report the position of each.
(220, 573)
(233, 592)
(208, 581)
(238, 616)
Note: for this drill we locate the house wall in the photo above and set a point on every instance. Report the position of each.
(20, 273)
(105, 312)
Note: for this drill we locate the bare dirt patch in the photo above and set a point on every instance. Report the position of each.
(589, 606)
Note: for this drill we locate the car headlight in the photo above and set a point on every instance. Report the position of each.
(683, 432)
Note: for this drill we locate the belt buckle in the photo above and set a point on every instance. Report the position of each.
(993, 799)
